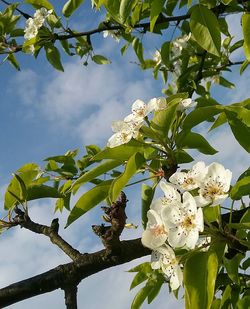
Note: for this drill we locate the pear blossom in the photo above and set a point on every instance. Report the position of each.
(186, 103)
(215, 186)
(171, 196)
(124, 132)
(164, 258)
(184, 221)
(111, 33)
(157, 57)
(140, 109)
(30, 30)
(40, 16)
(156, 231)
(190, 180)
(180, 43)
(157, 104)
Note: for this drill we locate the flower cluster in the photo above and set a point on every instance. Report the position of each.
(129, 127)
(176, 219)
(34, 24)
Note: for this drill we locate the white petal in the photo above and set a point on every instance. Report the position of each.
(178, 178)
(171, 216)
(170, 192)
(192, 239)
(151, 241)
(199, 220)
(154, 218)
(189, 203)
(155, 260)
(177, 237)
(119, 125)
(201, 201)
(176, 279)
(157, 205)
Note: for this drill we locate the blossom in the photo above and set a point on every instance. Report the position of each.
(40, 16)
(157, 104)
(140, 109)
(124, 132)
(30, 30)
(157, 57)
(213, 189)
(156, 232)
(111, 33)
(33, 24)
(171, 196)
(190, 180)
(184, 221)
(180, 43)
(186, 103)
(164, 258)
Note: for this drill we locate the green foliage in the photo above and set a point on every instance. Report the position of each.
(205, 29)
(200, 285)
(191, 58)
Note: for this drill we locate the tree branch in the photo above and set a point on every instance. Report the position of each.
(25, 15)
(71, 297)
(71, 273)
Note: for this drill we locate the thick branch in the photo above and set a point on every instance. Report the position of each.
(71, 297)
(71, 273)
(49, 231)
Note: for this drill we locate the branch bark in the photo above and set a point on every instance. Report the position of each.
(74, 272)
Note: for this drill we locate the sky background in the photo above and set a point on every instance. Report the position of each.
(44, 113)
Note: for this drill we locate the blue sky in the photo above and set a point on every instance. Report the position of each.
(44, 113)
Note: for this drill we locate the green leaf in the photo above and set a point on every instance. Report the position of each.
(226, 1)
(201, 114)
(226, 298)
(225, 83)
(246, 34)
(243, 303)
(232, 266)
(70, 6)
(182, 156)
(239, 226)
(98, 170)
(205, 29)
(54, 57)
(88, 200)
(143, 267)
(241, 188)
(240, 130)
(220, 120)
(163, 119)
(42, 191)
(244, 65)
(141, 296)
(193, 140)
(134, 163)
(99, 59)
(40, 3)
(138, 48)
(138, 279)
(125, 9)
(155, 10)
(123, 152)
(147, 195)
(165, 53)
(12, 59)
(199, 285)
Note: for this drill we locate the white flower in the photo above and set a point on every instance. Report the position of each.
(124, 131)
(157, 104)
(157, 57)
(186, 103)
(171, 196)
(140, 109)
(164, 258)
(184, 221)
(190, 180)
(180, 43)
(30, 30)
(111, 33)
(156, 232)
(40, 16)
(213, 189)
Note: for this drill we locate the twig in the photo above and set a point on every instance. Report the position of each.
(25, 15)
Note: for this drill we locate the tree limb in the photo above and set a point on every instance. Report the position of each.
(71, 297)
(71, 273)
